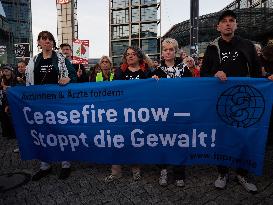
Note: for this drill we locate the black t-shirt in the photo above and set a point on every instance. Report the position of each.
(129, 75)
(233, 62)
(45, 73)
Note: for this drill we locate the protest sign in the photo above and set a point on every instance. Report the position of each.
(80, 51)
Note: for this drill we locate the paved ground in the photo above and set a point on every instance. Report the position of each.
(86, 186)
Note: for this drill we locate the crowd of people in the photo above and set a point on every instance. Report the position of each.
(227, 56)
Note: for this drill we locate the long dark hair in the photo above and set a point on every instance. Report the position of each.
(48, 35)
(12, 80)
(93, 74)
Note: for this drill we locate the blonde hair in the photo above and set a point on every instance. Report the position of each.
(107, 58)
(171, 41)
(187, 59)
(258, 46)
(149, 61)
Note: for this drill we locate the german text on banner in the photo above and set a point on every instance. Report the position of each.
(169, 121)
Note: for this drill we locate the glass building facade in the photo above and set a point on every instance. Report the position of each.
(134, 23)
(254, 17)
(6, 39)
(18, 15)
(67, 23)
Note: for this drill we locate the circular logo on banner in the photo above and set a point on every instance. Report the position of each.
(241, 106)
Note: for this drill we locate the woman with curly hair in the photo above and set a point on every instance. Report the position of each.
(133, 67)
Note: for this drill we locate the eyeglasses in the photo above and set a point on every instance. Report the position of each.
(133, 54)
(104, 61)
(46, 37)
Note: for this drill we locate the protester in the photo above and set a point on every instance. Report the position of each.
(200, 60)
(149, 61)
(94, 72)
(267, 63)
(183, 55)
(156, 63)
(8, 80)
(189, 61)
(79, 68)
(105, 73)
(20, 76)
(258, 48)
(114, 68)
(49, 67)
(133, 67)
(231, 56)
(20, 80)
(170, 68)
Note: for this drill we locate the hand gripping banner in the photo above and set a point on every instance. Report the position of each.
(169, 121)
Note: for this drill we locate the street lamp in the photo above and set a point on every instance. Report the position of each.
(194, 28)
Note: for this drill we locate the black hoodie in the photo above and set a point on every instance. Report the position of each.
(212, 59)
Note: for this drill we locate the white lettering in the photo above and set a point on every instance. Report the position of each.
(184, 140)
(49, 142)
(50, 118)
(74, 116)
(118, 141)
(152, 140)
(139, 140)
(99, 139)
(160, 113)
(36, 139)
(74, 141)
(143, 115)
(111, 115)
(202, 137)
(85, 113)
(63, 141)
(38, 118)
(62, 117)
(126, 115)
(25, 109)
(168, 139)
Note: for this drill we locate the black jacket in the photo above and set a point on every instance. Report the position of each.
(212, 59)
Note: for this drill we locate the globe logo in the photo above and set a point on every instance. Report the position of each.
(241, 106)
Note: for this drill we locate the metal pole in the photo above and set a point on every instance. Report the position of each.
(194, 28)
